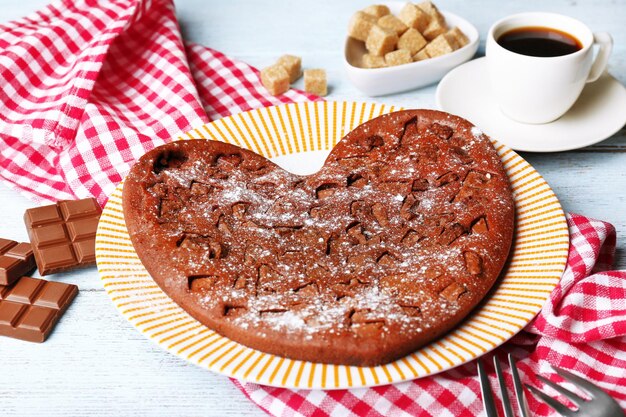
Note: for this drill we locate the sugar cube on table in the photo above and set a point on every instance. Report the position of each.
(315, 82)
(276, 79)
(381, 40)
(412, 41)
(439, 46)
(414, 17)
(399, 57)
(377, 10)
(373, 61)
(421, 55)
(360, 25)
(391, 22)
(292, 64)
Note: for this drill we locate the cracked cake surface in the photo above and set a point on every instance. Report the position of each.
(393, 242)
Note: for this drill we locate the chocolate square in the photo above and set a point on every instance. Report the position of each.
(63, 235)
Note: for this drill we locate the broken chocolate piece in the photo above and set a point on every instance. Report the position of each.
(16, 260)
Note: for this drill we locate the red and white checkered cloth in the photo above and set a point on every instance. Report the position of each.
(87, 87)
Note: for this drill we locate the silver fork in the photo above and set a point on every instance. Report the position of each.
(600, 405)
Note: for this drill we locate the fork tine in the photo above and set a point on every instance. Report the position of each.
(522, 403)
(587, 386)
(558, 407)
(569, 394)
(485, 389)
(506, 403)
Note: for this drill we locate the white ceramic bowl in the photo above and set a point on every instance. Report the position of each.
(381, 81)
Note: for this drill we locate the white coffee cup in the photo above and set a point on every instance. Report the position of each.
(533, 89)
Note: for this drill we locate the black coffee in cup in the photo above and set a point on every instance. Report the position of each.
(539, 41)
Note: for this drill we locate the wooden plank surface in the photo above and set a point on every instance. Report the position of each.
(96, 364)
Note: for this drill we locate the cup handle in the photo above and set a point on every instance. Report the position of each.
(605, 42)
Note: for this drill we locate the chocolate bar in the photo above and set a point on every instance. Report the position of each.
(63, 235)
(16, 260)
(30, 308)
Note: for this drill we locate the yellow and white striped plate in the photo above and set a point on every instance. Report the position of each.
(300, 135)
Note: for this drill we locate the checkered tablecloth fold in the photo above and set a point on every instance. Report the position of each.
(88, 86)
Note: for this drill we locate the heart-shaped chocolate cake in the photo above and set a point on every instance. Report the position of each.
(399, 235)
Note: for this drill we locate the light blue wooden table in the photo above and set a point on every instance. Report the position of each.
(96, 364)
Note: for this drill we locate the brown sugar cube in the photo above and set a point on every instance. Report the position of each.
(293, 65)
(360, 25)
(452, 40)
(437, 24)
(315, 82)
(378, 10)
(399, 57)
(412, 41)
(276, 79)
(461, 39)
(439, 46)
(380, 41)
(373, 61)
(391, 22)
(431, 10)
(414, 17)
(434, 29)
(421, 55)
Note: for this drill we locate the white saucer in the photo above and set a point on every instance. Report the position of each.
(598, 113)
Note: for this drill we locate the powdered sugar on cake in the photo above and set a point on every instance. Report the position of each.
(402, 231)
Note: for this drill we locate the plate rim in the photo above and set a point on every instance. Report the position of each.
(189, 135)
